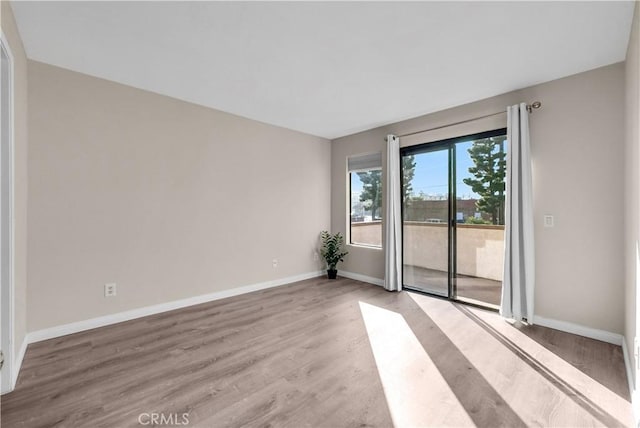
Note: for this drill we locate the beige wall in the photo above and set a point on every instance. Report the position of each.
(577, 154)
(632, 185)
(167, 199)
(20, 173)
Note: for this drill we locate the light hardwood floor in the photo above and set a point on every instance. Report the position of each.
(321, 353)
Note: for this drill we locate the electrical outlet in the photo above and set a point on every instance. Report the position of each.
(316, 256)
(548, 221)
(110, 289)
(274, 262)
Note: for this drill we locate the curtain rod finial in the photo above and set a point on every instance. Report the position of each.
(534, 105)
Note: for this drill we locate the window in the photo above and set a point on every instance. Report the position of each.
(365, 200)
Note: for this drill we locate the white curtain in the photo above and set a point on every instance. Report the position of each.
(519, 279)
(393, 222)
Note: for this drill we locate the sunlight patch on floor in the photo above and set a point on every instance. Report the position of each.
(416, 393)
(522, 370)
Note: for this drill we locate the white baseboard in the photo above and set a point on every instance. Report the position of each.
(580, 330)
(75, 327)
(363, 278)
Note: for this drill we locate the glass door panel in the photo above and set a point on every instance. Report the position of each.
(426, 197)
(479, 218)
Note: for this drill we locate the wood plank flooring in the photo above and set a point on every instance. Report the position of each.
(321, 353)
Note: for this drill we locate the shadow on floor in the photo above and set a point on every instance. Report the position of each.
(580, 355)
(568, 390)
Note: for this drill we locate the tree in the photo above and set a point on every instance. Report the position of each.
(371, 195)
(489, 158)
(408, 171)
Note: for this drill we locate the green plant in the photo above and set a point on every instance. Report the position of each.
(473, 220)
(331, 249)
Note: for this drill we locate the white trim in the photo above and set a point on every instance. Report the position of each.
(363, 278)
(632, 391)
(75, 327)
(10, 367)
(580, 330)
(367, 247)
(627, 366)
(18, 362)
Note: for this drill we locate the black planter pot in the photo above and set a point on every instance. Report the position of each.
(332, 273)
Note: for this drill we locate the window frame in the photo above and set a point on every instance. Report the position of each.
(7, 223)
(448, 144)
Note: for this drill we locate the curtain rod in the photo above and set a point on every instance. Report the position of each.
(530, 108)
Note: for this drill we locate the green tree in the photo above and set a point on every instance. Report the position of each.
(371, 195)
(408, 171)
(488, 155)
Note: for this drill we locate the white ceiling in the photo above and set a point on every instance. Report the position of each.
(328, 68)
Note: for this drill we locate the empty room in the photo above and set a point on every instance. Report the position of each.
(319, 214)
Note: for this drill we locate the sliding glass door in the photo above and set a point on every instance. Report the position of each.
(453, 217)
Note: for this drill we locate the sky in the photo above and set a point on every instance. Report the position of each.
(431, 173)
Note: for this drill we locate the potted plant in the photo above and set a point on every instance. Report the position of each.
(332, 251)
